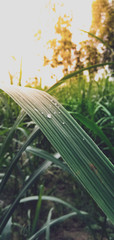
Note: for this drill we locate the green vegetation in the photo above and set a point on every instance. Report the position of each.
(51, 170)
(92, 107)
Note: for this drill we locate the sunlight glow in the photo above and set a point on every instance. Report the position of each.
(21, 20)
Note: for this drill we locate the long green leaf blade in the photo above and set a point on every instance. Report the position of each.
(57, 200)
(98, 38)
(45, 155)
(37, 211)
(73, 74)
(90, 166)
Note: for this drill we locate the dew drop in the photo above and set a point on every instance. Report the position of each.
(52, 100)
(59, 112)
(63, 123)
(42, 113)
(83, 139)
(49, 115)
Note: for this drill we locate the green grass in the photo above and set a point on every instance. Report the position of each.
(92, 108)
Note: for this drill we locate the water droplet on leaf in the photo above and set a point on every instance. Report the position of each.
(49, 115)
(52, 101)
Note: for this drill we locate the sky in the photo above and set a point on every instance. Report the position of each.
(20, 20)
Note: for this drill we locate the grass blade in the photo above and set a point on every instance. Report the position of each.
(38, 208)
(94, 128)
(5, 145)
(79, 213)
(53, 222)
(73, 74)
(98, 38)
(16, 158)
(48, 224)
(45, 155)
(20, 74)
(28, 183)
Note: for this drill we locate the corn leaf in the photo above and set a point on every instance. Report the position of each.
(86, 161)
